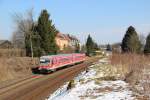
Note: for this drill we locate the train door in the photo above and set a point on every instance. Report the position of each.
(54, 62)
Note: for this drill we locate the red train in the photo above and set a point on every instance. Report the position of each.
(51, 63)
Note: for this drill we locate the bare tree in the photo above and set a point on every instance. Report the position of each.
(24, 28)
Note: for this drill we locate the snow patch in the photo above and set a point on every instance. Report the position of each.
(88, 86)
(106, 90)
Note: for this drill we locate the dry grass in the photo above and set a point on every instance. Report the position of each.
(14, 64)
(15, 67)
(138, 67)
(12, 52)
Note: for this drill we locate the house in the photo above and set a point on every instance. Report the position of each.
(66, 40)
(4, 44)
(73, 41)
(62, 40)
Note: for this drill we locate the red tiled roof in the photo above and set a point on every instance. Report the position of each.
(66, 37)
(63, 36)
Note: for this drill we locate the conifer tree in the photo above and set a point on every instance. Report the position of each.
(109, 48)
(130, 42)
(89, 45)
(47, 32)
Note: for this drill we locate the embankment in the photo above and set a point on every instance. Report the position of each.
(16, 67)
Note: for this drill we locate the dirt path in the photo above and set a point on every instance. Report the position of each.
(39, 87)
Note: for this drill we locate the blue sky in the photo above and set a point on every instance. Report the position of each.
(105, 20)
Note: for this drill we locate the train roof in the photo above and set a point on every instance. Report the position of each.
(50, 56)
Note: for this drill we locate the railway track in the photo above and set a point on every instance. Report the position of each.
(39, 87)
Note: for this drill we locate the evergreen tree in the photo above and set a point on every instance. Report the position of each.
(47, 32)
(109, 48)
(43, 28)
(147, 46)
(36, 40)
(130, 42)
(89, 46)
(52, 43)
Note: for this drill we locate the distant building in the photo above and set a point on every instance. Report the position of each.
(73, 41)
(66, 40)
(62, 40)
(5, 44)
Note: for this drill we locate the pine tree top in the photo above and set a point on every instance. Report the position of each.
(131, 29)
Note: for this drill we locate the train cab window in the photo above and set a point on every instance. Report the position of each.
(45, 61)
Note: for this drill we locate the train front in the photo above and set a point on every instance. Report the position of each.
(45, 64)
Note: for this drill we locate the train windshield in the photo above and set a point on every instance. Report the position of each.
(44, 62)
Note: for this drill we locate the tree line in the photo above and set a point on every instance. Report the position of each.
(131, 42)
(38, 37)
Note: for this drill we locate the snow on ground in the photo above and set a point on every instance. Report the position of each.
(90, 87)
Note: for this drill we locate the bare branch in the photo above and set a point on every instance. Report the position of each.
(24, 25)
